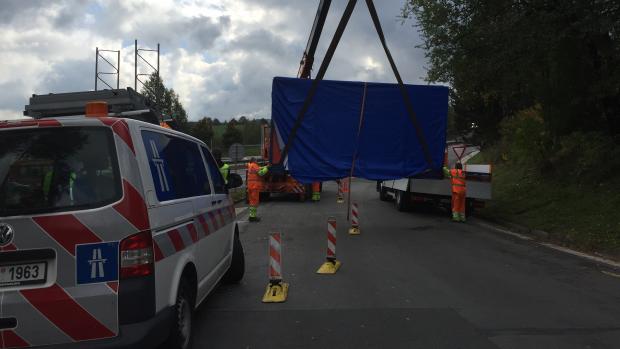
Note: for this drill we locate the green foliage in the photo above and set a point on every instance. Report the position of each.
(587, 157)
(524, 139)
(505, 56)
(231, 135)
(203, 130)
(582, 215)
(166, 99)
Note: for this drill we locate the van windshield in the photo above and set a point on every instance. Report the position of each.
(57, 169)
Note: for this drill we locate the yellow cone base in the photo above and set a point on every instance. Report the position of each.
(340, 200)
(329, 267)
(276, 293)
(354, 231)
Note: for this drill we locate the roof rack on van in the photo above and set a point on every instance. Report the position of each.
(126, 103)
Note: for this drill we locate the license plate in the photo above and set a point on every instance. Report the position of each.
(22, 274)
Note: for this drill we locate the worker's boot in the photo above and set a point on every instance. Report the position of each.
(462, 217)
(253, 217)
(316, 197)
(456, 217)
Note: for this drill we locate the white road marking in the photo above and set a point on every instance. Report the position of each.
(554, 247)
(610, 274)
(581, 254)
(503, 231)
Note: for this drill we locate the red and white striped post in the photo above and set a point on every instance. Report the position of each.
(331, 239)
(275, 257)
(340, 198)
(277, 290)
(331, 264)
(355, 222)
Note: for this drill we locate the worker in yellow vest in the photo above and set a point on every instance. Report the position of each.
(459, 191)
(55, 184)
(223, 167)
(254, 185)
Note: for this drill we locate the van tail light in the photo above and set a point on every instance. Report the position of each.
(136, 255)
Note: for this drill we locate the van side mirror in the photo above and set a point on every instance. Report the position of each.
(234, 181)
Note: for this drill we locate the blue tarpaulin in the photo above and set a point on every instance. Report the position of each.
(386, 146)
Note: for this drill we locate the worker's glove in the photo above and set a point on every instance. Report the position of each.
(263, 171)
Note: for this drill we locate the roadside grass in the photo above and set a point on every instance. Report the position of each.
(577, 215)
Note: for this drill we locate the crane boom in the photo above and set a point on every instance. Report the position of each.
(305, 66)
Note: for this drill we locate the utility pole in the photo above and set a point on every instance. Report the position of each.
(154, 69)
(116, 68)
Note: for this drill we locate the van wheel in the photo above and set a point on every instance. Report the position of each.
(181, 331)
(401, 200)
(237, 266)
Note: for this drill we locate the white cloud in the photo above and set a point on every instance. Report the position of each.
(220, 56)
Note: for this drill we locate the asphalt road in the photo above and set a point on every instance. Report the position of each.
(411, 280)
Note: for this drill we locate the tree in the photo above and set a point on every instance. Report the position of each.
(203, 130)
(166, 99)
(231, 135)
(251, 130)
(506, 56)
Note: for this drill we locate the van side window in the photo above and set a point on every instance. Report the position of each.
(218, 181)
(176, 166)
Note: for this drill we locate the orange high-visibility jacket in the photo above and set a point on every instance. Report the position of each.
(255, 173)
(457, 177)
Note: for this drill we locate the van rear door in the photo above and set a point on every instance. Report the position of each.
(61, 204)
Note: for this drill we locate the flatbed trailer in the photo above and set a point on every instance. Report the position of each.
(406, 192)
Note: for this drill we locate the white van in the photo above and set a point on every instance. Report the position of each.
(112, 231)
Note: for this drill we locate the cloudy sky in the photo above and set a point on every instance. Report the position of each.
(220, 56)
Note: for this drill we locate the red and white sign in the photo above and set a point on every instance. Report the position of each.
(355, 222)
(275, 256)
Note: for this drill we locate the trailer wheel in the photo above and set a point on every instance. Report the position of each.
(383, 196)
(402, 200)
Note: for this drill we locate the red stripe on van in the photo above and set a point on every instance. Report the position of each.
(12, 340)
(30, 123)
(58, 307)
(192, 232)
(221, 215)
(113, 285)
(119, 126)
(133, 208)
(67, 231)
(157, 252)
(122, 130)
(175, 237)
(214, 221)
(9, 247)
(203, 223)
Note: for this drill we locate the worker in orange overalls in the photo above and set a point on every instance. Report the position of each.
(255, 184)
(459, 189)
(316, 191)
